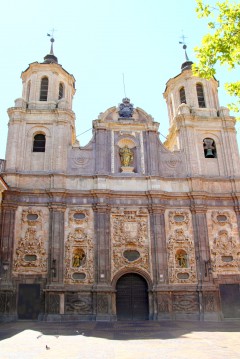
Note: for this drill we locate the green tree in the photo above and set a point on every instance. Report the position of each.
(221, 45)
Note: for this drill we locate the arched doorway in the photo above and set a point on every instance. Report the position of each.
(132, 297)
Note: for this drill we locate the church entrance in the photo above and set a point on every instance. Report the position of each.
(28, 301)
(230, 300)
(132, 297)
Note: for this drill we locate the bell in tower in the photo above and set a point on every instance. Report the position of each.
(209, 148)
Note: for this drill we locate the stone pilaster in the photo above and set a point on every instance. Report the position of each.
(237, 211)
(152, 159)
(7, 243)
(158, 245)
(103, 290)
(202, 249)
(7, 291)
(103, 162)
(102, 248)
(56, 245)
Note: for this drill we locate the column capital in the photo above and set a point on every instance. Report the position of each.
(198, 209)
(54, 207)
(101, 208)
(156, 209)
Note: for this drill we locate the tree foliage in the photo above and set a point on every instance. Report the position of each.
(221, 44)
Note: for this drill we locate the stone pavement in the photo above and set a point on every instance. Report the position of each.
(120, 340)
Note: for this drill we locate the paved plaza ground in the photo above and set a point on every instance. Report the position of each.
(120, 340)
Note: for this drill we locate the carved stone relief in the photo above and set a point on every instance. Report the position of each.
(30, 254)
(224, 242)
(185, 302)
(79, 246)
(7, 302)
(78, 303)
(209, 302)
(54, 303)
(163, 303)
(180, 245)
(81, 159)
(130, 239)
(173, 164)
(102, 304)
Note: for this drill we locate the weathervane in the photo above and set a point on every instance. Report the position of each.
(184, 46)
(52, 41)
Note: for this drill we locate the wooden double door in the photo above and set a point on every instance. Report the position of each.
(132, 298)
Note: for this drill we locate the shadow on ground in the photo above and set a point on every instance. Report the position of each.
(117, 330)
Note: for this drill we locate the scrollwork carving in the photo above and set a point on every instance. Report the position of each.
(78, 303)
(224, 242)
(180, 245)
(30, 249)
(130, 232)
(225, 245)
(185, 303)
(79, 247)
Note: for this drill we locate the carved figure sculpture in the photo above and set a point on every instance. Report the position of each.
(181, 259)
(126, 156)
(78, 258)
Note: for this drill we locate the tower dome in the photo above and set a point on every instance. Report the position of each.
(47, 85)
(188, 93)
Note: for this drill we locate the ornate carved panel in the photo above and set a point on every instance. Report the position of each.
(54, 303)
(130, 239)
(186, 302)
(30, 254)
(209, 300)
(78, 303)
(180, 246)
(224, 242)
(79, 246)
(163, 302)
(7, 302)
(102, 304)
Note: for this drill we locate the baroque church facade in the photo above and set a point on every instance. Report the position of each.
(125, 228)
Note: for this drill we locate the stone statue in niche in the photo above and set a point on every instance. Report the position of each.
(125, 108)
(79, 257)
(126, 156)
(181, 258)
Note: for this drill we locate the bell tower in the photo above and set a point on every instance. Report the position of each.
(199, 126)
(42, 123)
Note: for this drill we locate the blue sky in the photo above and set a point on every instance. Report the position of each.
(97, 41)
